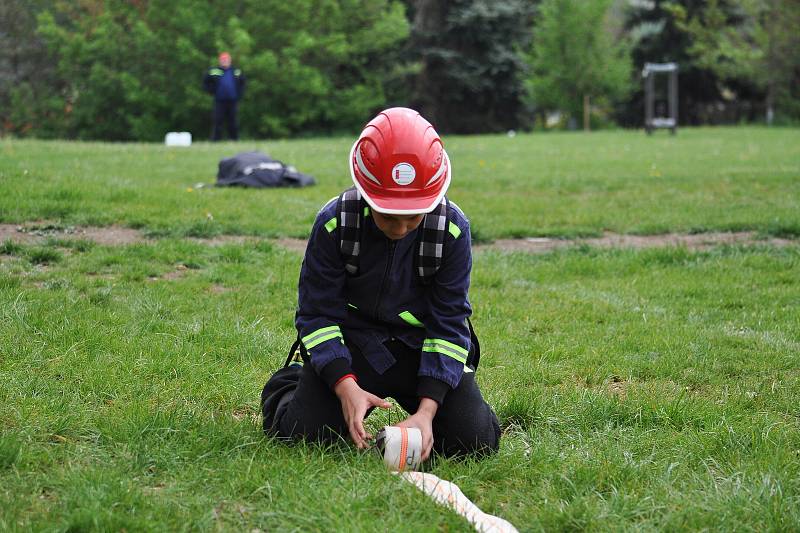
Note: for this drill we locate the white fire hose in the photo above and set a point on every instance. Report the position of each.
(401, 449)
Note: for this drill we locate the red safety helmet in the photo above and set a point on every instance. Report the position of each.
(399, 164)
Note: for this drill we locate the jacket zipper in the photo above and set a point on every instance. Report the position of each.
(392, 246)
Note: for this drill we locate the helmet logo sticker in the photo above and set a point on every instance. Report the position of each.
(403, 173)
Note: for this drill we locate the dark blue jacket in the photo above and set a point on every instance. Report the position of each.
(385, 300)
(224, 84)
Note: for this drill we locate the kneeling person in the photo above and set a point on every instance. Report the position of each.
(383, 306)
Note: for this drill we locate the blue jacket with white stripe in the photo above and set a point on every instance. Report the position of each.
(385, 300)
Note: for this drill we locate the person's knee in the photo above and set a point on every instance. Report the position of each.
(476, 446)
(470, 439)
(276, 396)
(298, 420)
(296, 425)
(465, 424)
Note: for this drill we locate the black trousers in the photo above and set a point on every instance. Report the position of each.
(297, 404)
(225, 111)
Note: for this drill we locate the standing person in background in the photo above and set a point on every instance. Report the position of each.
(226, 84)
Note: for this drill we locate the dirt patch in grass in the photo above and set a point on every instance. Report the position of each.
(246, 413)
(36, 232)
(221, 240)
(618, 387)
(293, 245)
(218, 289)
(288, 243)
(14, 233)
(699, 241)
(32, 233)
(112, 235)
(179, 272)
(541, 245)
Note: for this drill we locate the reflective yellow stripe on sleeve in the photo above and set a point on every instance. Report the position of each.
(445, 348)
(321, 335)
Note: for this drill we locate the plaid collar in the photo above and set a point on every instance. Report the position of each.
(431, 236)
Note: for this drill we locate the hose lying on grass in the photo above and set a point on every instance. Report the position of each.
(448, 494)
(401, 450)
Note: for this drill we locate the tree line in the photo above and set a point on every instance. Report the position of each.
(132, 69)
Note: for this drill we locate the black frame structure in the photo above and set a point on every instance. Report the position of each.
(652, 122)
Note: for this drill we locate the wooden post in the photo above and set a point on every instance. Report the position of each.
(586, 113)
(648, 102)
(673, 99)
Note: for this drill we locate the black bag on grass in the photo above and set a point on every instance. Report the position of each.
(255, 169)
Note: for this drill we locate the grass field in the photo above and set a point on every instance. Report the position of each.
(548, 185)
(652, 389)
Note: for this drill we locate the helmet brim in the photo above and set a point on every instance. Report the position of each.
(392, 205)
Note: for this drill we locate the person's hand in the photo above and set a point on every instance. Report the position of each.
(423, 421)
(355, 404)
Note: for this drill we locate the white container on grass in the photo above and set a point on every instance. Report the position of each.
(178, 138)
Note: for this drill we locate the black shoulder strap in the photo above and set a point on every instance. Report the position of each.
(431, 238)
(474, 357)
(297, 346)
(350, 208)
(349, 214)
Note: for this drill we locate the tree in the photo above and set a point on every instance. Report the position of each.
(749, 41)
(575, 59)
(125, 70)
(471, 61)
(130, 70)
(323, 63)
(657, 37)
(28, 78)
